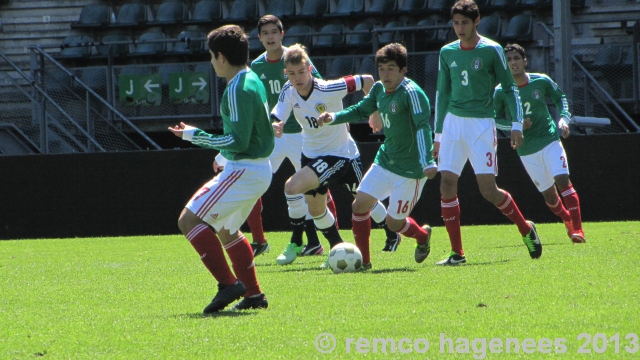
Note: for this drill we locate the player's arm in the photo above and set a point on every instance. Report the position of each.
(201, 138)
(366, 106)
(443, 95)
(314, 71)
(562, 104)
(280, 113)
(512, 96)
(420, 115)
(499, 107)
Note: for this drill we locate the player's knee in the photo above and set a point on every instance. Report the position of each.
(358, 207)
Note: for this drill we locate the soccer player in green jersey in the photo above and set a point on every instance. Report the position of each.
(269, 66)
(218, 209)
(469, 69)
(403, 162)
(542, 153)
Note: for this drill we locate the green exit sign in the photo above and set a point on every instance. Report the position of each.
(140, 90)
(189, 88)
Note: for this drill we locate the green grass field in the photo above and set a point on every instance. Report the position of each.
(142, 297)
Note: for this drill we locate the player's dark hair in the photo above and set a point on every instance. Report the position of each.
(517, 48)
(296, 54)
(392, 52)
(466, 8)
(269, 19)
(230, 41)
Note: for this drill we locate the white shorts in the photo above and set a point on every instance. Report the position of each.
(227, 199)
(546, 164)
(288, 146)
(470, 139)
(403, 193)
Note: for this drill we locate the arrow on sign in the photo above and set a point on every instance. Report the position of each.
(148, 85)
(202, 83)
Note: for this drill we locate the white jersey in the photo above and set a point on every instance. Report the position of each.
(326, 95)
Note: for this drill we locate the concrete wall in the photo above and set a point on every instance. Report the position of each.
(142, 193)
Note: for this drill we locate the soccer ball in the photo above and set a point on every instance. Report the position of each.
(345, 257)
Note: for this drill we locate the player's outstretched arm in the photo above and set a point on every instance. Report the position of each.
(367, 83)
(178, 130)
(325, 118)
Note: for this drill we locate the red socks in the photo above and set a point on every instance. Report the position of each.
(361, 227)
(413, 230)
(573, 206)
(451, 216)
(255, 223)
(207, 244)
(510, 210)
(560, 210)
(331, 205)
(241, 257)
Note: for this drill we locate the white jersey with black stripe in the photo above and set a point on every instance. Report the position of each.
(326, 95)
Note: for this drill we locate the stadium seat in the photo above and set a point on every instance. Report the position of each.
(440, 6)
(538, 4)
(335, 37)
(116, 49)
(149, 43)
(132, 14)
(520, 28)
(170, 13)
(361, 36)
(368, 66)
(75, 46)
(298, 34)
(340, 66)
(243, 11)
(347, 8)
(505, 4)
(94, 16)
(430, 36)
(388, 37)
(382, 7)
(206, 12)
(491, 27)
(187, 45)
(413, 7)
(283, 9)
(313, 9)
(254, 41)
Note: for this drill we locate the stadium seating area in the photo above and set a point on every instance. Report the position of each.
(333, 27)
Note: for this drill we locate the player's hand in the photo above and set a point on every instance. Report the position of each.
(526, 123)
(436, 149)
(217, 167)
(325, 118)
(278, 126)
(516, 139)
(178, 129)
(562, 125)
(375, 122)
(430, 173)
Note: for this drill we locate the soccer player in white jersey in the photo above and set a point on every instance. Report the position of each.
(465, 129)
(542, 153)
(329, 154)
(269, 66)
(216, 211)
(403, 162)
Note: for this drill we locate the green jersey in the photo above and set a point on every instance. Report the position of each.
(467, 78)
(533, 95)
(405, 114)
(273, 76)
(247, 131)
